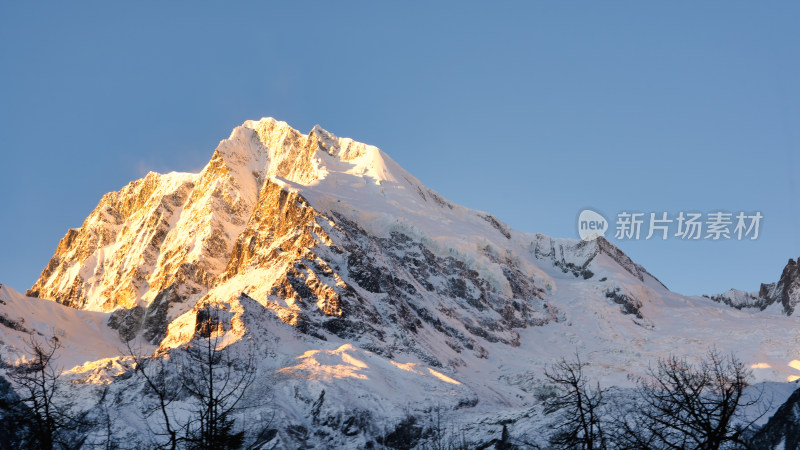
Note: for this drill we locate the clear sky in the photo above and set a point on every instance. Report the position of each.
(530, 110)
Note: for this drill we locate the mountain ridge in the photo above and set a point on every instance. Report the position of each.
(355, 283)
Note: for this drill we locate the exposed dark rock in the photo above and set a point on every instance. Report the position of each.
(13, 416)
(156, 319)
(151, 321)
(127, 322)
(502, 228)
(13, 324)
(782, 427)
(405, 435)
(750, 301)
(786, 290)
(362, 272)
(627, 304)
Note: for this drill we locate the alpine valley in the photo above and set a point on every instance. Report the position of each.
(369, 309)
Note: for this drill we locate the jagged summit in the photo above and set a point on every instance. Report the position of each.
(783, 295)
(179, 226)
(270, 148)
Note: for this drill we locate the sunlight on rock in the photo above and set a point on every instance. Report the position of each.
(760, 366)
(100, 372)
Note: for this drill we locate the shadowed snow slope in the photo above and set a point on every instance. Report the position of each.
(83, 335)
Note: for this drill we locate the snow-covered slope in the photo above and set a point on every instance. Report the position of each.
(374, 297)
(83, 335)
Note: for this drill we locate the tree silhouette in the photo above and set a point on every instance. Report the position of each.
(217, 381)
(684, 405)
(44, 420)
(212, 380)
(582, 425)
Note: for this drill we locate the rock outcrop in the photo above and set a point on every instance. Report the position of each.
(785, 292)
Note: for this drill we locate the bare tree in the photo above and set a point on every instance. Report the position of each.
(46, 420)
(441, 433)
(218, 382)
(579, 404)
(14, 417)
(101, 434)
(212, 380)
(154, 373)
(682, 405)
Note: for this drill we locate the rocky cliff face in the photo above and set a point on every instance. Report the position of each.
(174, 229)
(107, 262)
(784, 294)
(168, 238)
(787, 290)
(150, 251)
(783, 428)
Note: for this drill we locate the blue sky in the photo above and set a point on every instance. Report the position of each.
(532, 111)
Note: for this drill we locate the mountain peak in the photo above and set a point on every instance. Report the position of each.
(271, 196)
(345, 149)
(269, 148)
(348, 275)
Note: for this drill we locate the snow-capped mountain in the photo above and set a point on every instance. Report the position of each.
(783, 295)
(369, 297)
